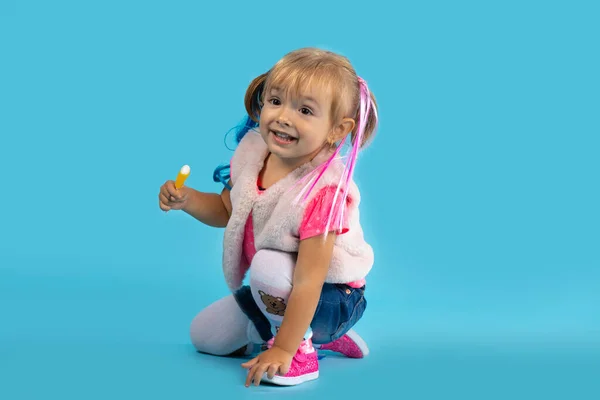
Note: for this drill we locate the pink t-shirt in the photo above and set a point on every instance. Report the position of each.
(314, 223)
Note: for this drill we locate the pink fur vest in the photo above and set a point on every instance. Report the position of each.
(277, 220)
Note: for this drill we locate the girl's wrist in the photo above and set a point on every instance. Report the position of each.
(288, 352)
(189, 201)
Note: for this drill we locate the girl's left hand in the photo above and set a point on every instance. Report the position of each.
(271, 361)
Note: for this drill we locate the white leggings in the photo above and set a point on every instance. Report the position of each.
(223, 328)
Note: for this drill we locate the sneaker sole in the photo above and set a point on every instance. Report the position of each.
(291, 381)
(362, 345)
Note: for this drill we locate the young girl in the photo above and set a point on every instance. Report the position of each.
(291, 218)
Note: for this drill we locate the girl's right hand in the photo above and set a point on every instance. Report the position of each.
(170, 198)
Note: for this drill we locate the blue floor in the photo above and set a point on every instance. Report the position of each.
(74, 337)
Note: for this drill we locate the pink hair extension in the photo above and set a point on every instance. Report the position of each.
(324, 166)
(313, 179)
(366, 106)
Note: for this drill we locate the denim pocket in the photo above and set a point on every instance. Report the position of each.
(353, 309)
(339, 308)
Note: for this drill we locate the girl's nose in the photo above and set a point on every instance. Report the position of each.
(284, 122)
(283, 119)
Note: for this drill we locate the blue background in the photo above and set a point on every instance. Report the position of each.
(480, 193)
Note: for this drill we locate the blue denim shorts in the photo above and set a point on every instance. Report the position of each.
(339, 309)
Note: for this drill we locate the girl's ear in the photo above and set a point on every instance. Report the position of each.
(341, 130)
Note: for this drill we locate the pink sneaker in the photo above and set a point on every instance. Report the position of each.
(304, 367)
(351, 345)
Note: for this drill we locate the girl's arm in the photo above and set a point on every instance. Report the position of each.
(314, 257)
(212, 209)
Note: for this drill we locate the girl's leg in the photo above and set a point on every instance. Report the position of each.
(340, 306)
(222, 329)
(271, 275)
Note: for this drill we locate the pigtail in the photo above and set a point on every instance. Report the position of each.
(253, 97)
(371, 123)
(253, 104)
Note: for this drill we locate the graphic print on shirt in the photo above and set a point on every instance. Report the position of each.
(275, 305)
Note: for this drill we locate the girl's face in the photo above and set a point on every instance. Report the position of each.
(295, 128)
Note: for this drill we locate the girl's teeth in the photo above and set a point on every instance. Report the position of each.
(283, 135)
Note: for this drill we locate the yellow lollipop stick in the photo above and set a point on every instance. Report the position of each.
(182, 176)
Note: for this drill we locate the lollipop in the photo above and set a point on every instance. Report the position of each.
(184, 172)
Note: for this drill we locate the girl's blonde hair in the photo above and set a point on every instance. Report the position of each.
(304, 67)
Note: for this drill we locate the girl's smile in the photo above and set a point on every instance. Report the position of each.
(282, 138)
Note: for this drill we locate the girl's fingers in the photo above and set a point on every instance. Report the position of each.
(164, 199)
(172, 191)
(260, 371)
(163, 206)
(251, 375)
(272, 370)
(249, 364)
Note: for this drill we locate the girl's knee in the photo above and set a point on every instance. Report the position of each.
(206, 340)
(198, 334)
(272, 265)
(271, 276)
(220, 328)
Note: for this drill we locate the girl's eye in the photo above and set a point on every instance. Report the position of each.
(305, 111)
(275, 102)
